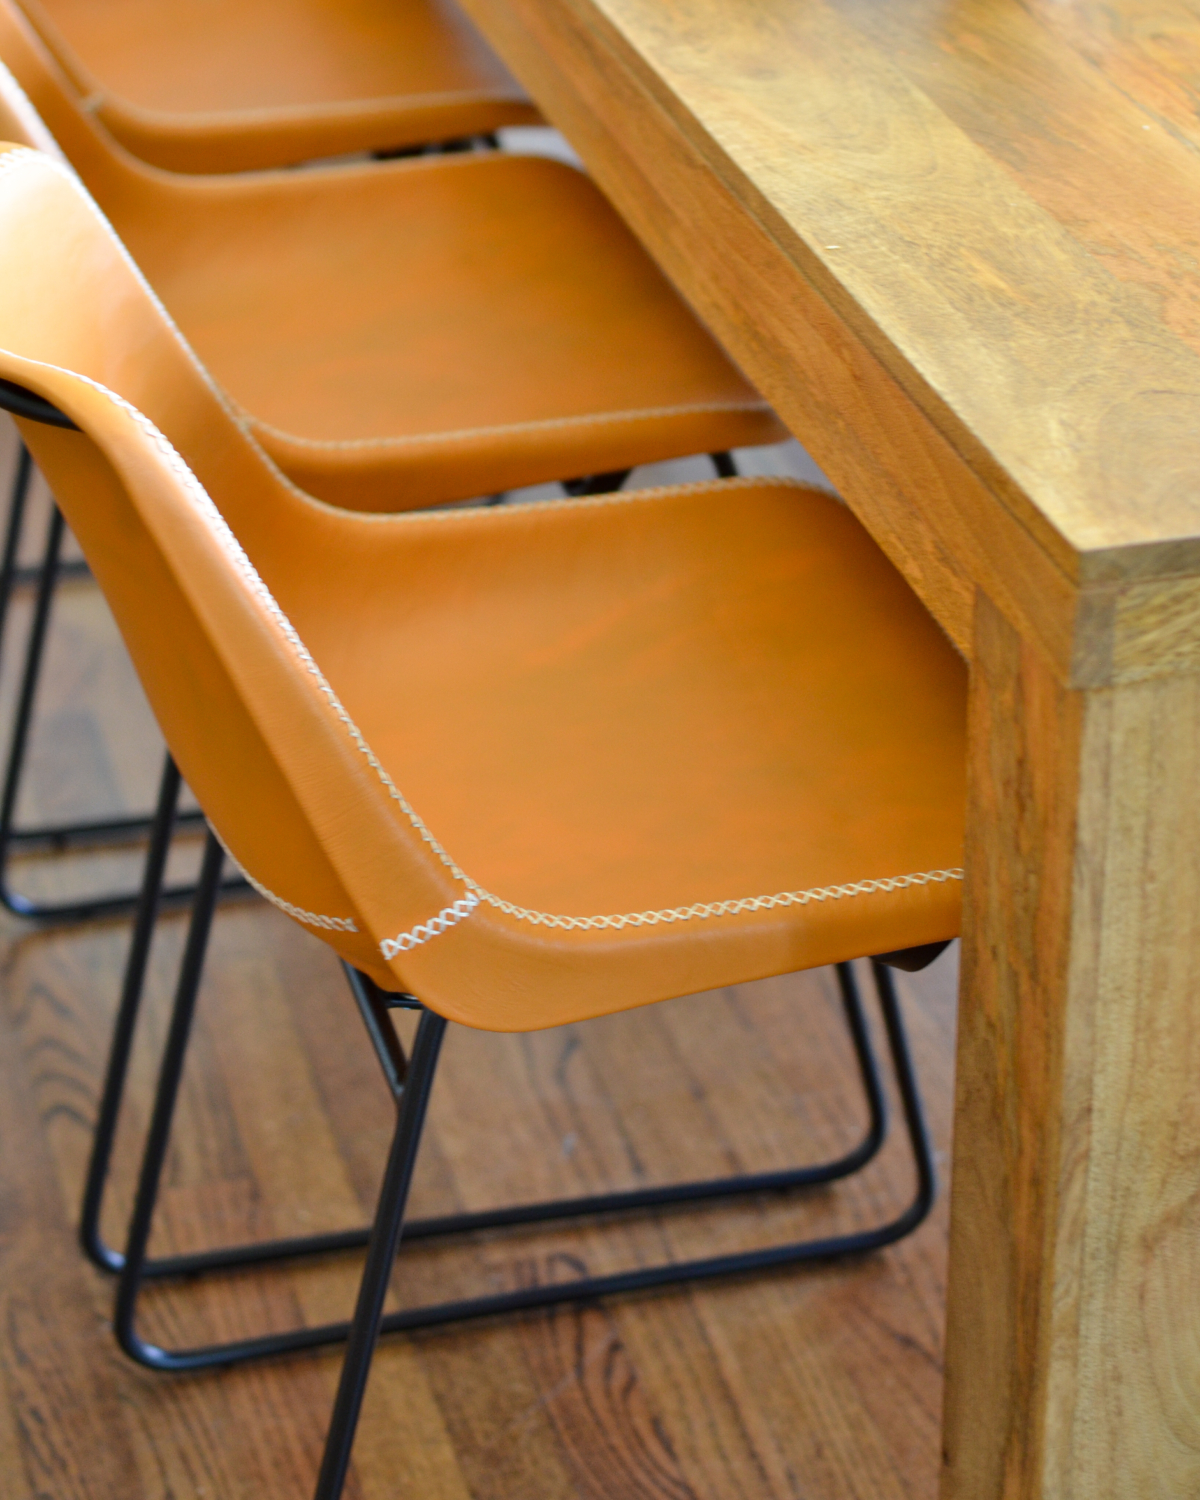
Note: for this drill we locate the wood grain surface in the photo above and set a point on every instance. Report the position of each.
(956, 245)
(819, 1385)
(1075, 1297)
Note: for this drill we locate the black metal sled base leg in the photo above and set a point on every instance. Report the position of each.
(62, 836)
(14, 575)
(411, 1085)
(606, 484)
(135, 1266)
(95, 833)
(369, 999)
(152, 897)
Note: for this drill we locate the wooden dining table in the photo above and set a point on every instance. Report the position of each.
(957, 244)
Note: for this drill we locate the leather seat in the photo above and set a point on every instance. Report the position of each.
(239, 85)
(401, 334)
(517, 766)
(530, 764)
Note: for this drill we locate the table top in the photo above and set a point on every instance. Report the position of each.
(957, 242)
(1004, 200)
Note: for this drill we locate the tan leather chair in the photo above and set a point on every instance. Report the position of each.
(238, 85)
(394, 336)
(400, 334)
(530, 765)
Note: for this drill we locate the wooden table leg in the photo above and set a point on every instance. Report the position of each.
(1073, 1340)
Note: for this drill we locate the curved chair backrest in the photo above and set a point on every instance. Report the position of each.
(282, 771)
(251, 722)
(51, 34)
(41, 105)
(246, 85)
(19, 121)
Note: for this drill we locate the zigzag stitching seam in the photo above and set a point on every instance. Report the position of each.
(310, 918)
(440, 923)
(476, 894)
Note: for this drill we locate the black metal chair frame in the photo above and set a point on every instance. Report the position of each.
(44, 576)
(456, 146)
(410, 1081)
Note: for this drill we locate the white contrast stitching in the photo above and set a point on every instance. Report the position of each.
(475, 893)
(449, 916)
(310, 918)
(705, 909)
(256, 425)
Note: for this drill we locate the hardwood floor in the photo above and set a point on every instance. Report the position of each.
(813, 1385)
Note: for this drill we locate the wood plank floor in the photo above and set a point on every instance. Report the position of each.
(813, 1385)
